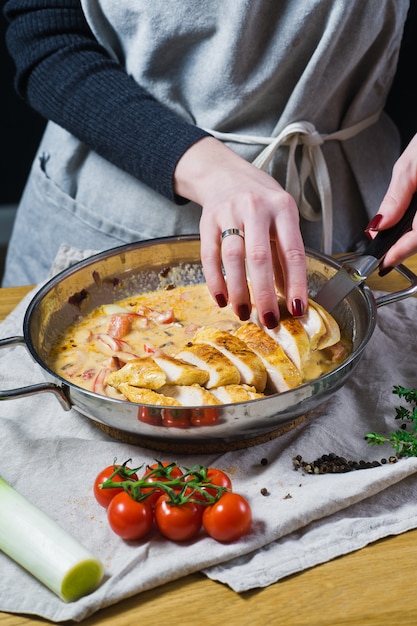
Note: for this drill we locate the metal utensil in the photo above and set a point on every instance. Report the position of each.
(355, 272)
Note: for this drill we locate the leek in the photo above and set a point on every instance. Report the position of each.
(44, 549)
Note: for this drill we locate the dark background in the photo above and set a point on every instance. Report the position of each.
(21, 128)
(20, 132)
(402, 100)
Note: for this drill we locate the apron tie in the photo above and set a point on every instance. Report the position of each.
(312, 165)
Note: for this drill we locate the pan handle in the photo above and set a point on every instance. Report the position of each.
(404, 293)
(30, 390)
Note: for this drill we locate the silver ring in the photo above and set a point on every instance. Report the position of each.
(232, 231)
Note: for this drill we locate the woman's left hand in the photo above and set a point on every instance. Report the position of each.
(401, 189)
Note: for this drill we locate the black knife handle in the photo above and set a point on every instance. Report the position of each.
(385, 239)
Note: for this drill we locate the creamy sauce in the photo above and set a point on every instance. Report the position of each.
(134, 327)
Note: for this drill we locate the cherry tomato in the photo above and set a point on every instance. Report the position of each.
(105, 496)
(216, 477)
(179, 522)
(175, 418)
(204, 417)
(229, 518)
(167, 472)
(150, 415)
(129, 518)
(219, 478)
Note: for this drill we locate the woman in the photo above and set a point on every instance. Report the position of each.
(173, 117)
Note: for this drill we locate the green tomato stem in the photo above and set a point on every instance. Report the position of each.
(179, 490)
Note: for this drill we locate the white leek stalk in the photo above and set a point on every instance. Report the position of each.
(46, 550)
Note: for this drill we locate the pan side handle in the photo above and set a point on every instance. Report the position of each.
(403, 293)
(30, 390)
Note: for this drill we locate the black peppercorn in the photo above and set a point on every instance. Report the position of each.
(334, 464)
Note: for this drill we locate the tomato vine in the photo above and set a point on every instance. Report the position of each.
(191, 485)
(181, 500)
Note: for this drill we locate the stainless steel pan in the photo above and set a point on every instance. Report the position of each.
(139, 267)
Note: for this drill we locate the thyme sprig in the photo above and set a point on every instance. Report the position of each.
(404, 439)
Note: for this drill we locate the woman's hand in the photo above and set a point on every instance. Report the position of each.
(401, 189)
(236, 195)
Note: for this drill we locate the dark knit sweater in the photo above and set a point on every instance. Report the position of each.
(67, 77)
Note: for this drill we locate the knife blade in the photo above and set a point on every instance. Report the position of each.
(354, 273)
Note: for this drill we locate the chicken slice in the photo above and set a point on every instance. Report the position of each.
(294, 340)
(291, 336)
(251, 368)
(142, 372)
(282, 373)
(314, 326)
(179, 372)
(332, 332)
(219, 368)
(189, 395)
(146, 396)
(228, 394)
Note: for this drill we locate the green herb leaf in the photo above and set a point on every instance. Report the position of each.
(404, 439)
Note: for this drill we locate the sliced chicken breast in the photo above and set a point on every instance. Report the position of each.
(281, 371)
(146, 396)
(291, 336)
(189, 395)
(179, 372)
(332, 329)
(141, 372)
(220, 370)
(314, 326)
(228, 394)
(251, 368)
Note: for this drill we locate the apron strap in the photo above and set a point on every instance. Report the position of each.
(312, 166)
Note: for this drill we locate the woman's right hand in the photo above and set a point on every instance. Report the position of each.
(234, 194)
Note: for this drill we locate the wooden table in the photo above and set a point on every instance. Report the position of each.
(373, 586)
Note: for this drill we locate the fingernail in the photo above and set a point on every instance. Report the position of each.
(221, 300)
(297, 307)
(270, 319)
(243, 312)
(383, 271)
(374, 223)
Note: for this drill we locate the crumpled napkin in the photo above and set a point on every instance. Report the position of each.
(52, 457)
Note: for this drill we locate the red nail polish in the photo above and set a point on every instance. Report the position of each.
(270, 319)
(243, 312)
(297, 307)
(374, 223)
(221, 300)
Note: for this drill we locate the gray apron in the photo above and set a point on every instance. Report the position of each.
(296, 87)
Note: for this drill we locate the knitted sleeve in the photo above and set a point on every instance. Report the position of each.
(67, 77)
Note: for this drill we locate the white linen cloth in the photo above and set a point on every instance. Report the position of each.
(52, 457)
